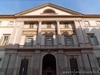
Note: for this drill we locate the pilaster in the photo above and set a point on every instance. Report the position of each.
(84, 33)
(36, 69)
(13, 34)
(19, 33)
(39, 34)
(58, 34)
(61, 62)
(79, 33)
(86, 62)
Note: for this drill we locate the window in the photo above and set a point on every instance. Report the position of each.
(49, 11)
(93, 39)
(11, 23)
(5, 39)
(48, 25)
(98, 23)
(68, 41)
(86, 23)
(48, 40)
(0, 22)
(23, 67)
(29, 41)
(74, 66)
(31, 25)
(66, 25)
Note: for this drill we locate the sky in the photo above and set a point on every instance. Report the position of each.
(10, 7)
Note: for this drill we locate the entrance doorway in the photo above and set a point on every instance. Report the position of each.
(49, 65)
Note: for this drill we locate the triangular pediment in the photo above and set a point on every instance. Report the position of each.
(48, 9)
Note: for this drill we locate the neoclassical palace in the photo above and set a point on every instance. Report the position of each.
(49, 40)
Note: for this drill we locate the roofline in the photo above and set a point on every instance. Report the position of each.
(39, 16)
(48, 4)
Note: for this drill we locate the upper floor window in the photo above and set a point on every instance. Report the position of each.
(86, 23)
(31, 25)
(11, 22)
(49, 25)
(67, 25)
(68, 41)
(48, 40)
(93, 39)
(0, 22)
(98, 23)
(5, 39)
(29, 41)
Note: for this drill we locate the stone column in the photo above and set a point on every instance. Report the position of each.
(79, 33)
(39, 34)
(13, 34)
(36, 68)
(61, 63)
(19, 33)
(84, 33)
(58, 34)
(94, 64)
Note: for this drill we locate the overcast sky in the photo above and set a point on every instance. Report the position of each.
(82, 6)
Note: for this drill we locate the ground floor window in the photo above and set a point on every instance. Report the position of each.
(23, 67)
(74, 66)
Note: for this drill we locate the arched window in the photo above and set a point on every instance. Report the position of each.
(49, 11)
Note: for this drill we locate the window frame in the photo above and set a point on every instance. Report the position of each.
(66, 38)
(28, 43)
(49, 25)
(11, 23)
(86, 23)
(0, 22)
(93, 39)
(98, 23)
(5, 39)
(52, 41)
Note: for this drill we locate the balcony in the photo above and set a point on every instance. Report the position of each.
(47, 47)
(44, 47)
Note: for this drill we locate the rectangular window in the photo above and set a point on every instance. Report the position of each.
(74, 67)
(49, 41)
(98, 23)
(68, 41)
(29, 41)
(31, 25)
(23, 67)
(11, 22)
(86, 23)
(5, 40)
(93, 39)
(67, 25)
(0, 22)
(49, 25)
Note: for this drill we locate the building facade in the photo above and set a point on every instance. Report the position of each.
(49, 40)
